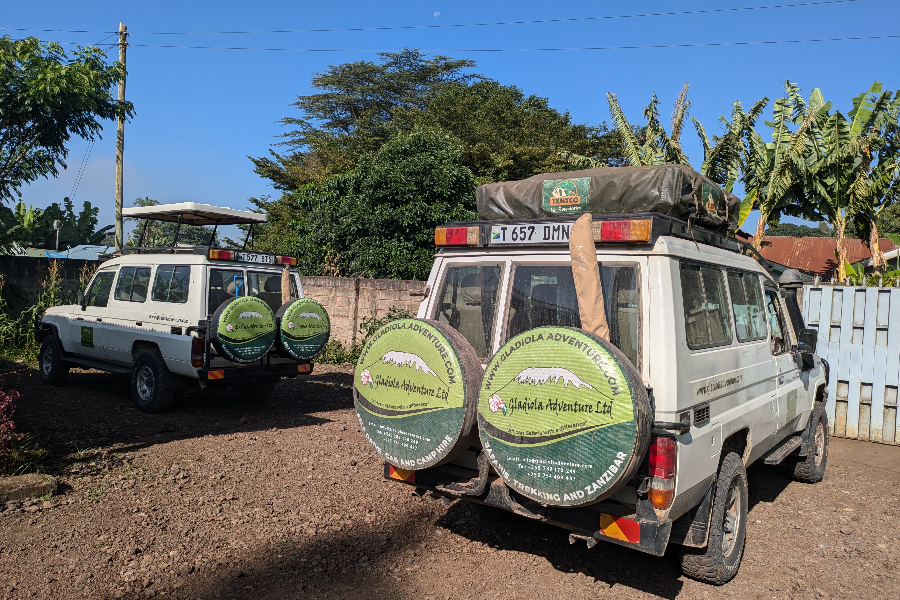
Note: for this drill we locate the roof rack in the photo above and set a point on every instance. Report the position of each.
(660, 224)
(189, 213)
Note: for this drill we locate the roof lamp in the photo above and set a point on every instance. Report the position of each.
(624, 231)
(456, 236)
(222, 254)
(287, 260)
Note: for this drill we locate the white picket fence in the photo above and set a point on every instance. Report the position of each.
(859, 336)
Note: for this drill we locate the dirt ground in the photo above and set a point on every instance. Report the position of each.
(226, 498)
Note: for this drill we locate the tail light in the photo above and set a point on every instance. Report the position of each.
(622, 231)
(662, 471)
(198, 352)
(457, 236)
(287, 260)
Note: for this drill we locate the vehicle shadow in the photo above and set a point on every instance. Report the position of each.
(93, 411)
(765, 483)
(606, 565)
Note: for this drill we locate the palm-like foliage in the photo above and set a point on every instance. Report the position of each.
(840, 179)
(652, 145)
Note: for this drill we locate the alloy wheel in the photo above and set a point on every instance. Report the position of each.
(731, 524)
(145, 383)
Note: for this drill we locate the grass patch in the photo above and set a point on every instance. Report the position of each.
(22, 456)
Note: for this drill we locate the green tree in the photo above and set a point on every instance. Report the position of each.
(46, 97)
(349, 115)
(162, 233)
(377, 220)
(30, 227)
(792, 230)
(651, 145)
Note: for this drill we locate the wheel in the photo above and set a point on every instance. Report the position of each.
(719, 562)
(149, 382)
(255, 389)
(812, 468)
(54, 369)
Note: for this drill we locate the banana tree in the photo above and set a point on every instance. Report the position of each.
(653, 146)
(725, 158)
(775, 171)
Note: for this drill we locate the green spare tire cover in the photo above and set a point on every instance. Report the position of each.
(416, 393)
(303, 328)
(563, 416)
(243, 329)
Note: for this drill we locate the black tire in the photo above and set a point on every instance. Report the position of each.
(54, 370)
(150, 382)
(812, 468)
(719, 562)
(255, 389)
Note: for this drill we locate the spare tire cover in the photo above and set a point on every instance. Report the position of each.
(563, 416)
(416, 393)
(303, 328)
(243, 329)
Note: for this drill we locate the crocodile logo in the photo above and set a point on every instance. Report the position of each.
(251, 315)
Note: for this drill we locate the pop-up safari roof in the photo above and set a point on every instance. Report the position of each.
(193, 213)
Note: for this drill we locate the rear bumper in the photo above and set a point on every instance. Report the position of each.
(635, 527)
(246, 371)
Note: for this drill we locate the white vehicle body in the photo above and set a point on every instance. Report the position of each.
(746, 396)
(122, 326)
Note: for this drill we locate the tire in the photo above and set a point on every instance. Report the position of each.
(149, 382)
(812, 468)
(719, 562)
(255, 389)
(54, 370)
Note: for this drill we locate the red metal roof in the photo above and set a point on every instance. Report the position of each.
(815, 255)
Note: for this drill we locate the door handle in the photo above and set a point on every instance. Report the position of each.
(99, 320)
(781, 380)
(79, 318)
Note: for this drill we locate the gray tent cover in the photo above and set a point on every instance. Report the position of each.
(672, 190)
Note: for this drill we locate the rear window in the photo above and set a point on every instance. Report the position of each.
(266, 286)
(543, 295)
(468, 303)
(224, 284)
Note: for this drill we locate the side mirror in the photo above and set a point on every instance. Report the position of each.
(807, 341)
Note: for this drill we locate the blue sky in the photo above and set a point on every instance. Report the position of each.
(200, 112)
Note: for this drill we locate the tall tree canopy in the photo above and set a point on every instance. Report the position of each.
(46, 97)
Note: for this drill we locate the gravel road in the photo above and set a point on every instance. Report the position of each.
(224, 498)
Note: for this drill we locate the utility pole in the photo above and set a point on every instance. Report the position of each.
(120, 138)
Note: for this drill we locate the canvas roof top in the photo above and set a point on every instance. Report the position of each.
(193, 213)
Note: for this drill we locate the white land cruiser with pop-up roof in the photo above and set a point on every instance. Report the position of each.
(614, 375)
(186, 317)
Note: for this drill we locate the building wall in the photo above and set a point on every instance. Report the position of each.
(349, 301)
(23, 278)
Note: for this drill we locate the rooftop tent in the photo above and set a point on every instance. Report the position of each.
(192, 213)
(672, 190)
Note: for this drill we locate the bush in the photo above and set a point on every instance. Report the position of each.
(336, 354)
(7, 426)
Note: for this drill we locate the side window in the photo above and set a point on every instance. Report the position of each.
(224, 284)
(747, 306)
(98, 294)
(706, 319)
(776, 322)
(132, 284)
(171, 284)
(468, 303)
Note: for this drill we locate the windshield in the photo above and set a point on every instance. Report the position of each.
(544, 295)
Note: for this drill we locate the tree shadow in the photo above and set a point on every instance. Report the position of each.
(92, 413)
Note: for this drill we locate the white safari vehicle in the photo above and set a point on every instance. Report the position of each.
(496, 394)
(153, 313)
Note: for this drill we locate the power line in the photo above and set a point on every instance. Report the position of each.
(585, 48)
(456, 25)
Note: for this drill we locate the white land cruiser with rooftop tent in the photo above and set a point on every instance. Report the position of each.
(181, 318)
(614, 375)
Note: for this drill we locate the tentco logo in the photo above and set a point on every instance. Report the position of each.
(406, 359)
(565, 194)
(252, 315)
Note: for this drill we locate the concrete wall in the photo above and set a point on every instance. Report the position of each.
(349, 301)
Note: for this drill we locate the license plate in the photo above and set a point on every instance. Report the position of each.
(536, 233)
(252, 257)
